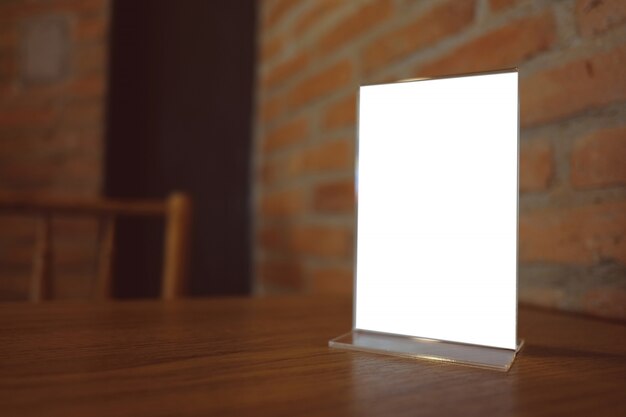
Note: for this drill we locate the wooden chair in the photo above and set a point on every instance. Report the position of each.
(176, 211)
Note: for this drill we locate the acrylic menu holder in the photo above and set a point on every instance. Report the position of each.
(436, 225)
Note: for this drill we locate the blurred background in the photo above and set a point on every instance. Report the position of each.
(249, 106)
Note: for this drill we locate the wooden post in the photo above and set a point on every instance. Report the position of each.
(41, 288)
(176, 256)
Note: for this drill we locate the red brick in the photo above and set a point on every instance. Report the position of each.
(606, 302)
(22, 228)
(334, 197)
(87, 7)
(332, 280)
(594, 16)
(324, 82)
(37, 97)
(17, 228)
(7, 89)
(89, 86)
(271, 108)
(14, 286)
(75, 187)
(287, 134)
(90, 59)
(536, 166)
(73, 285)
(599, 159)
(269, 172)
(40, 154)
(578, 85)
(286, 274)
(326, 157)
(73, 227)
(335, 156)
(20, 9)
(274, 238)
(61, 143)
(8, 39)
(76, 254)
(434, 25)
(35, 173)
(274, 173)
(90, 29)
(320, 10)
(576, 235)
(341, 113)
(82, 113)
(504, 47)
(282, 203)
(8, 72)
(26, 117)
(365, 18)
(278, 11)
(32, 96)
(499, 5)
(18, 254)
(286, 70)
(74, 248)
(322, 241)
(271, 48)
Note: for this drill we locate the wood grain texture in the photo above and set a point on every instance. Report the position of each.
(269, 356)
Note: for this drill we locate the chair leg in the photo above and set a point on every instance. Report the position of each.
(104, 283)
(176, 251)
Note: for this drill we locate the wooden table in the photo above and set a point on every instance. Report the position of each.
(269, 356)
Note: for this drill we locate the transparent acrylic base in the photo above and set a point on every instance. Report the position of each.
(415, 347)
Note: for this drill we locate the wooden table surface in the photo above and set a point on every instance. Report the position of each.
(269, 356)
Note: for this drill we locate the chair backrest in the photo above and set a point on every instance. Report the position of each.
(175, 210)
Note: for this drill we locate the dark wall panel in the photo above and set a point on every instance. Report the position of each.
(179, 118)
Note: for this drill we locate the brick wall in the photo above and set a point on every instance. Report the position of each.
(313, 54)
(52, 90)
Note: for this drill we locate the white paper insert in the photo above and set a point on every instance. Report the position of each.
(437, 209)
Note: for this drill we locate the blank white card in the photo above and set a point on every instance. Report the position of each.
(437, 209)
